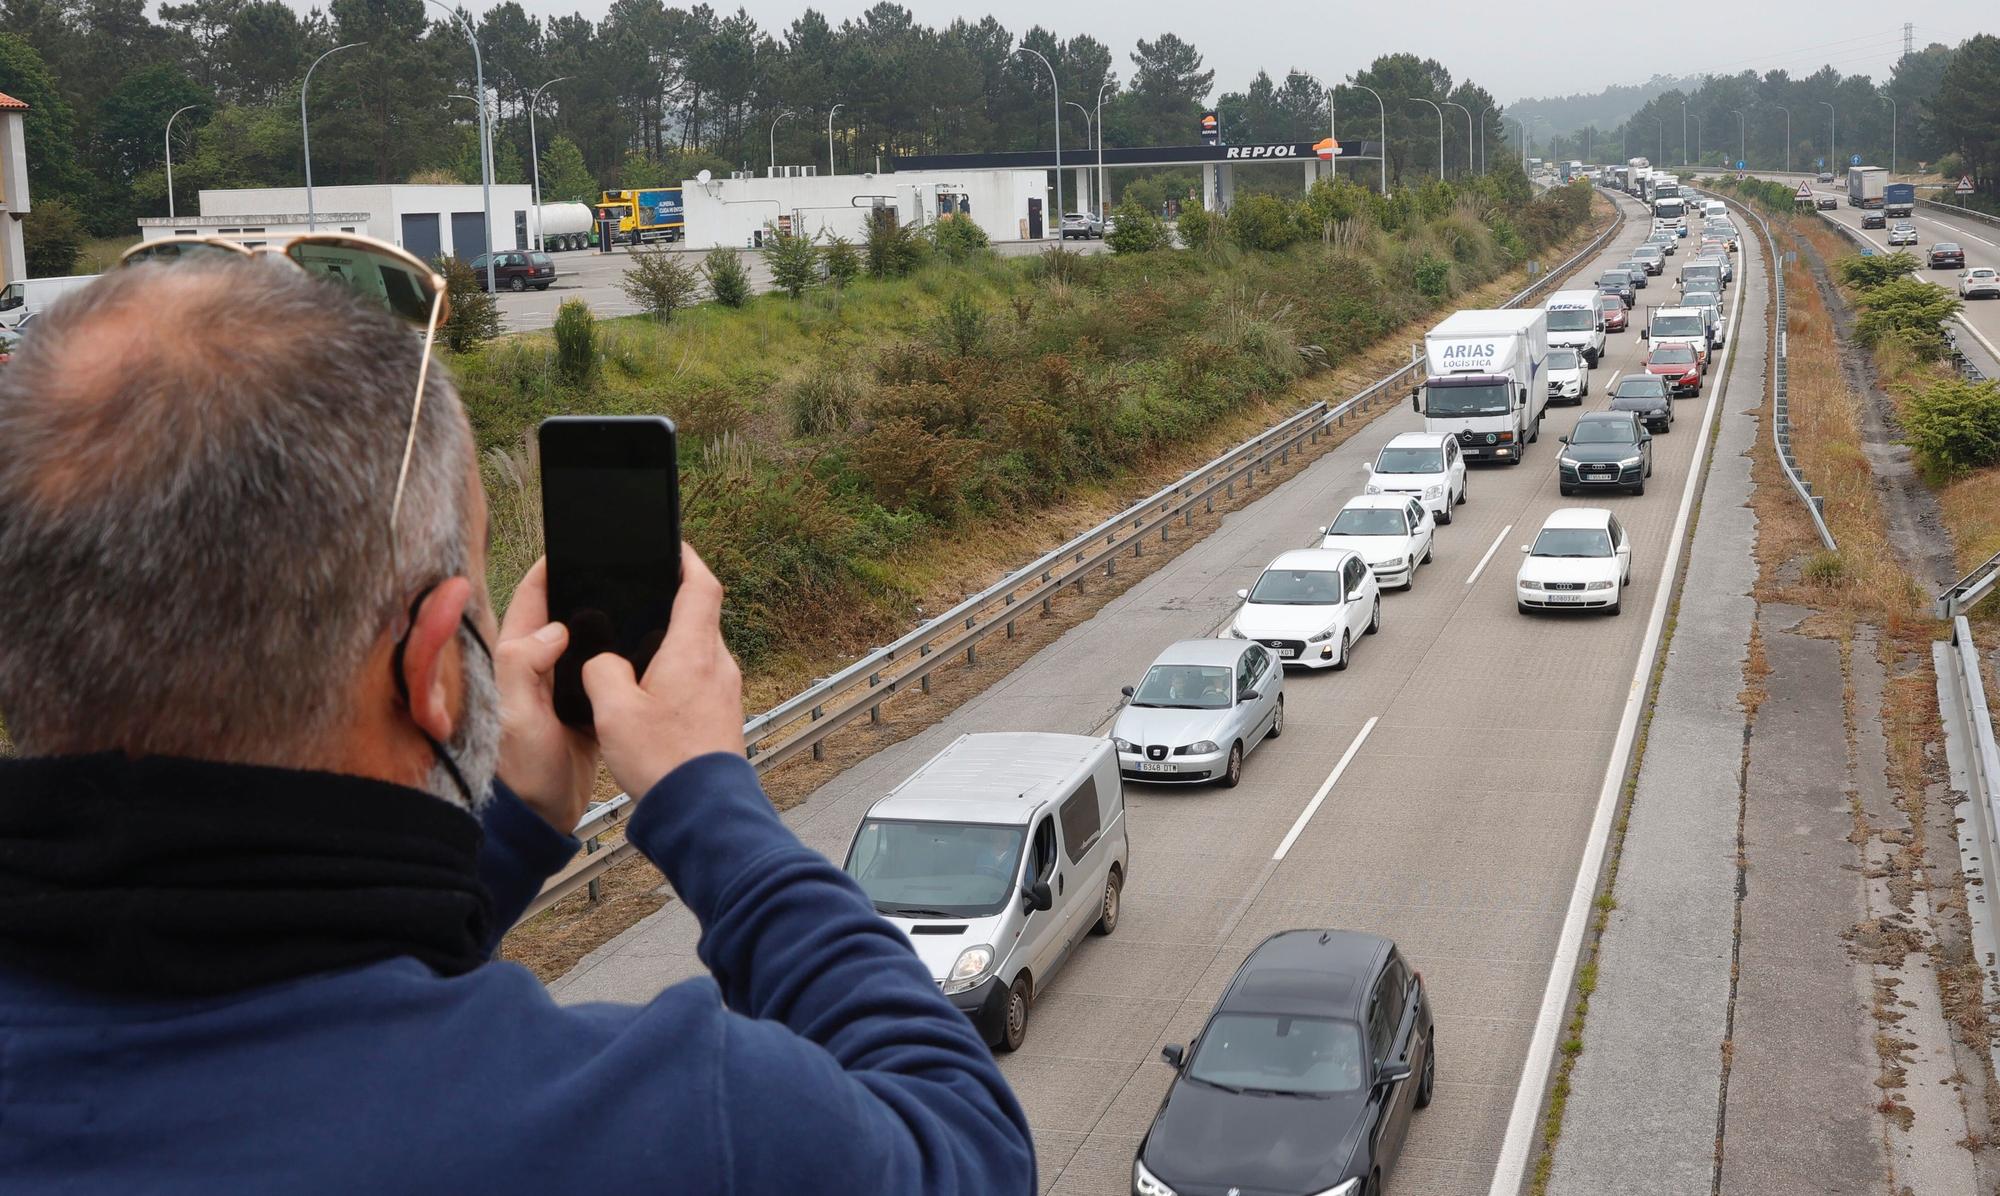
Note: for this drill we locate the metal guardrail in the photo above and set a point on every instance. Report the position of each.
(1969, 742)
(803, 722)
(1952, 209)
(1781, 406)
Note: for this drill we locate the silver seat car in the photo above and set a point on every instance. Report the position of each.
(1200, 709)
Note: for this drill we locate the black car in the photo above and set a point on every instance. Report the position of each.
(1874, 220)
(1645, 395)
(1304, 1078)
(1947, 255)
(517, 270)
(1619, 283)
(1607, 450)
(1637, 270)
(1827, 203)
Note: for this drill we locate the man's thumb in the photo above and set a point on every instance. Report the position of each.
(608, 677)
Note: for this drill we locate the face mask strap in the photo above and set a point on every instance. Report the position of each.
(403, 686)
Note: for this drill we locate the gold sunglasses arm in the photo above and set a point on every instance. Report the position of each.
(410, 440)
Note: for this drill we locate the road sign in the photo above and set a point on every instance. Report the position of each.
(1855, 160)
(1964, 185)
(1819, 163)
(1804, 192)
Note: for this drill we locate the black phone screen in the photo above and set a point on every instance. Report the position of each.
(611, 523)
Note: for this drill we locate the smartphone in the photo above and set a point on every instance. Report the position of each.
(611, 524)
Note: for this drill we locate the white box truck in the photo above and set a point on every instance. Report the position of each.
(1575, 323)
(1485, 382)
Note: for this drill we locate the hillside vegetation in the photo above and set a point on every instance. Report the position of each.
(825, 435)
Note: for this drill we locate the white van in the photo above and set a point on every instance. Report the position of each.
(996, 859)
(1715, 209)
(1575, 323)
(24, 297)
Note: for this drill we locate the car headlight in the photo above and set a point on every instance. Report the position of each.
(1530, 585)
(1123, 745)
(1598, 585)
(1349, 1188)
(1630, 463)
(1145, 1183)
(1372, 488)
(1203, 747)
(1389, 566)
(1235, 633)
(1322, 637)
(970, 968)
(1434, 493)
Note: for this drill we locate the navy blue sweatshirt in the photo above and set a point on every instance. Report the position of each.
(820, 1059)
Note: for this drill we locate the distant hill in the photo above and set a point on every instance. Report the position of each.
(1604, 109)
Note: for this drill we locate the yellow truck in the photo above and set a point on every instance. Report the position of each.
(639, 216)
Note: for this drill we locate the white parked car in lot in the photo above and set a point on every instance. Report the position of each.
(1392, 532)
(1081, 224)
(1980, 282)
(1426, 466)
(1199, 710)
(1582, 559)
(1310, 606)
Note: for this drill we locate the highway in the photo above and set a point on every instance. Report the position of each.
(1458, 828)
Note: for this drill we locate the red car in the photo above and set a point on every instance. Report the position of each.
(1679, 364)
(1614, 311)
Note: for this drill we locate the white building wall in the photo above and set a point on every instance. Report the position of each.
(13, 195)
(386, 206)
(733, 211)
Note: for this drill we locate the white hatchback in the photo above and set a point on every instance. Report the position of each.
(1581, 560)
(1426, 466)
(1392, 532)
(1309, 607)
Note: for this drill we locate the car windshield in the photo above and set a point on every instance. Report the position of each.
(1262, 1052)
(1571, 319)
(1698, 298)
(1366, 521)
(1572, 542)
(1486, 399)
(1677, 326)
(1184, 687)
(1415, 459)
(1614, 278)
(1602, 431)
(1673, 355)
(1564, 359)
(1297, 587)
(1610, 303)
(935, 869)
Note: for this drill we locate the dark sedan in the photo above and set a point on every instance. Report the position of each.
(1619, 283)
(1304, 1079)
(517, 270)
(1947, 255)
(1645, 395)
(1606, 450)
(1874, 220)
(1828, 203)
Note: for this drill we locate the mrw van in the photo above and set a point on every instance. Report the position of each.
(997, 858)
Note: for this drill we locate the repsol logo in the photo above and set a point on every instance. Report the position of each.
(1467, 352)
(1263, 151)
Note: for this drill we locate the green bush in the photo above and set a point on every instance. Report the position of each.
(1953, 427)
(1906, 310)
(894, 249)
(962, 324)
(1137, 231)
(958, 239)
(53, 236)
(1199, 229)
(728, 279)
(822, 402)
(1951, 166)
(659, 282)
(843, 261)
(1262, 222)
(474, 318)
(1867, 273)
(793, 260)
(1433, 277)
(576, 342)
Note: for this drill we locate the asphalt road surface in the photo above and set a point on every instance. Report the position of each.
(1458, 828)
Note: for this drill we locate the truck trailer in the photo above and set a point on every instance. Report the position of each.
(565, 226)
(634, 217)
(1485, 382)
(1865, 186)
(1899, 200)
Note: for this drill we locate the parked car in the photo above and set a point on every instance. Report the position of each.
(1082, 224)
(1874, 220)
(517, 269)
(1617, 313)
(995, 860)
(1569, 376)
(1826, 203)
(1311, 606)
(1679, 363)
(1947, 255)
(1426, 466)
(1200, 709)
(1605, 450)
(1581, 559)
(1980, 282)
(1304, 1078)
(1903, 234)
(1646, 397)
(1619, 283)
(1394, 533)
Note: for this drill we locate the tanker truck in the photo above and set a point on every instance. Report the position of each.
(565, 226)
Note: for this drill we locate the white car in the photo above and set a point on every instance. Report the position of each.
(1569, 376)
(1391, 532)
(1309, 607)
(1426, 466)
(1711, 302)
(1582, 559)
(1980, 282)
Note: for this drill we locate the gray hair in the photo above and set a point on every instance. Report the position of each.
(194, 511)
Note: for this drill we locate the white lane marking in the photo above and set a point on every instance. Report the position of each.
(1490, 550)
(1512, 1167)
(1614, 380)
(1326, 787)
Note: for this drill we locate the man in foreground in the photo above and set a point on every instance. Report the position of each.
(275, 807)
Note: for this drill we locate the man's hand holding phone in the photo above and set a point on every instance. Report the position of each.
(547, 764)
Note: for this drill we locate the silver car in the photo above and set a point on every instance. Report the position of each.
(1651, 257)
(1200, 708)
(1082, 224)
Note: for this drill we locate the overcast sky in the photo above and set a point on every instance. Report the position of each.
(1515, 48)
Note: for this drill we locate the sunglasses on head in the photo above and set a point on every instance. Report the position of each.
(394, 279)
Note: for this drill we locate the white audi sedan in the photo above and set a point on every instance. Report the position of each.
(1392, 532)
(1310, 606)
(1581, 560)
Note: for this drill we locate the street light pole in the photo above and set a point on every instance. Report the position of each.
(1382, 151)
(1103, 193)
(1087, 127)
(1892, 133)
(535, 153)
(1788, 135)
(829, 138)
(1468, 133)
(1697, 139)
(1684, 135)
(1055, 90)
(1832, 136)
(305, 130)
(774, 140)
(485, 136)
(1440, 112)
(170, 157)
(1742, 138)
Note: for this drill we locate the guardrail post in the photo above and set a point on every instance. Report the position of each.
(590, 848)
(819, 746)
(972, 649)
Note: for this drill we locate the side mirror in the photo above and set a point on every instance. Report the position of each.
(1624, 550)
(1563, 439)
(1524, 548)
(1644, 335)
(1127, 691)
(1413, 403)
(1322, 531)
(1174, 1055)
(1521, 397)
(1248, 695)
(1037, 897)
(1392, 1073)
(1246, 593)
(1369, 466)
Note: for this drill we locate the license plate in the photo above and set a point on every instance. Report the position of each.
(1288, 653)
(1565, 597)
(1150, 766)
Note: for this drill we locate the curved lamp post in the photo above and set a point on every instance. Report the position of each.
(774, 140)
(829, 137)
(1468, 133)
(170, 156)
(485, 133)
(535, 153)
(305, 129)
(1055, 89)
(1440, 112)
(1382, 113)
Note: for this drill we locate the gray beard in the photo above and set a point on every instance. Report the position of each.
(475, 745)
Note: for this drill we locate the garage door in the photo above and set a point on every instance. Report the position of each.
(420, 234)
(468, 235)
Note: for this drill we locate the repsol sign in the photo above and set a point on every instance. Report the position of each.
(1268, 151)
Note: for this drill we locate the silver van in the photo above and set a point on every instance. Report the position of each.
(996, 859)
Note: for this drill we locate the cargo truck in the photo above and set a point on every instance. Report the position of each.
(564, 226)
(1899, 200)
(1485, 382)
(636, 217)
(1865, 185)
(1576, 323)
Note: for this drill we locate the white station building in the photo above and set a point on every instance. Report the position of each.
(429, 221)
(734, 211)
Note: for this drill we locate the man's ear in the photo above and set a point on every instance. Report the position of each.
(430, 668)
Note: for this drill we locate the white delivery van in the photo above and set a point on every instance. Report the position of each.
(1486, 381)
(24, 297)
(1576, 323)
(996, 859)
